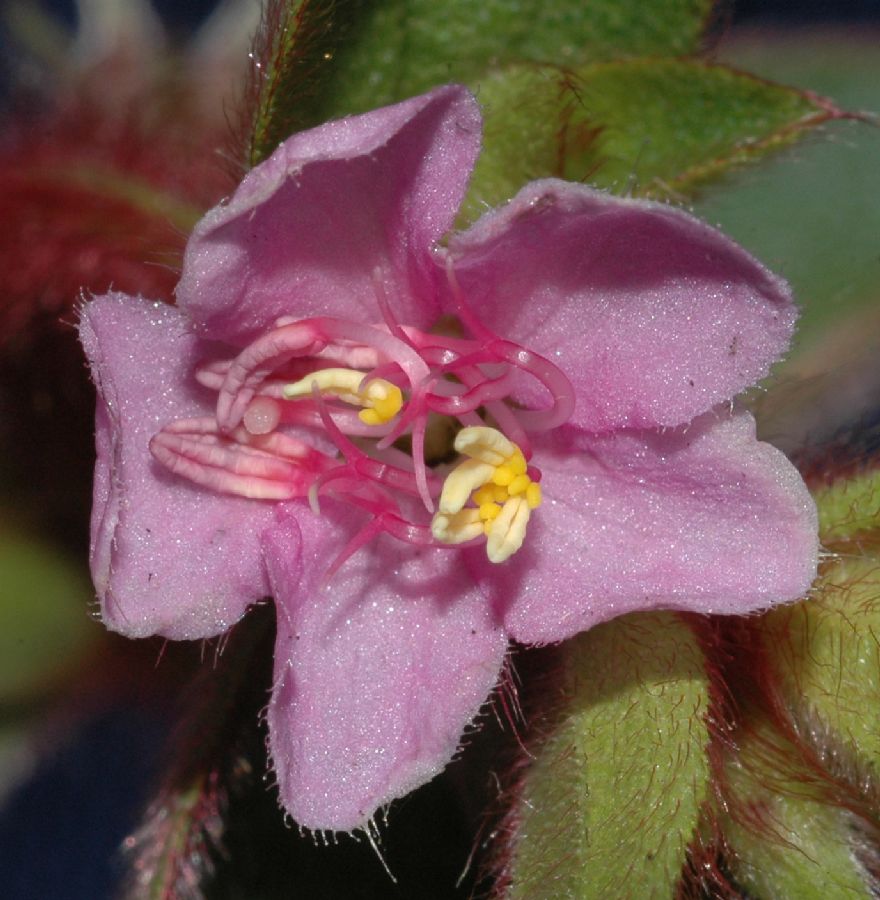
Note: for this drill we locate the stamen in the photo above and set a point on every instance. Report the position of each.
(488, 445)
(499, 483)
(464, 525)
(249, 449)
(461, 482)
(508, 531)
(381, 399)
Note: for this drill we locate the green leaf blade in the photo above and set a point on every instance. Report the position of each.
(385, 52)
(827, 658)
(787, 839)
(650, 127)
(849, 508)
(667, 126)
(614, 794)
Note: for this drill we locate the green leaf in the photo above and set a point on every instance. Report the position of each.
(815, 218)
(827, 658)
(650, 127)
(293, 56)
(849, 507)
(403, 47)
(44, 622)
(613, 796)
(317, 59)
(786, 838)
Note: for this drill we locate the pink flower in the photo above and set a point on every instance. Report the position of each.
(597, 344)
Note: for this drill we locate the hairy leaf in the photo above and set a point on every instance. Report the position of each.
(827, 656)
(294, 57)
(849, 507)
(650, 127)
(787, 839)
(317, 59)
(614, 793)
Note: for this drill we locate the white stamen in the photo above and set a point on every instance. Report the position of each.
(485, 444)
(465, 525)
(508, 530)
(344, 383)
(461, 482)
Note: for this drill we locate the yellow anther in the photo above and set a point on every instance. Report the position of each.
(370, 417)
(519, 485)
(485, 494)
(533, 495)
(518, 463)
(495, 480)
(381, 399)
(499, 493)
(502, 476)
(489, 511)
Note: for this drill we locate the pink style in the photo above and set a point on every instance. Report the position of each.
(424, 444)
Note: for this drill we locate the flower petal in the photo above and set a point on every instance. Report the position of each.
(653, 315)
(702, 518)
(376, 674)
(306, 230)
(167, 557)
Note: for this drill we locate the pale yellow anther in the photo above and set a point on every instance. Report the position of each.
(463, 526)
(488, 445)
(533, 495)
(508, 530)
(495, 480)
(381, 399)
(461, 482)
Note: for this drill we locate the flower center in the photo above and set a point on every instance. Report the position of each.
(318, 407)
(496, 480)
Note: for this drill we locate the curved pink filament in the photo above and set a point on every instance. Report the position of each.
(414, 408)
(257, 361)
(304, 338)
(389, 371)
(504, 416)
(358, 463)
(480, 391)
(388, 316)
(470, 319)
(421, 468)
(553, 379)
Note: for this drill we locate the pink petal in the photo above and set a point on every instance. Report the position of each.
(376, 675)
(653, 315)
(167, 557)
(306, 229)
(702, 518)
